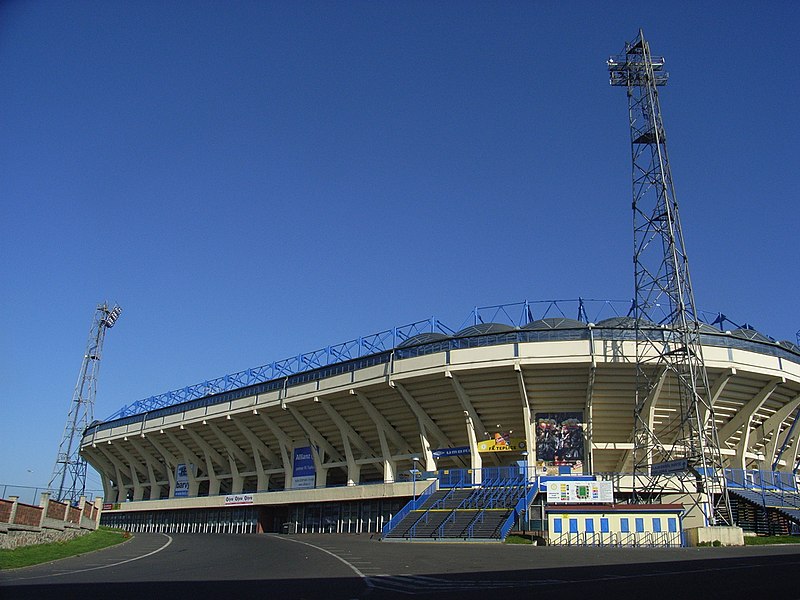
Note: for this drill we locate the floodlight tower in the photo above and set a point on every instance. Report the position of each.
(682, 437)
(69, 473)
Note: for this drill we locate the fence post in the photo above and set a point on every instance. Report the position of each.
(81, 505)
(13, 515)
(98, 509)
(44, 503)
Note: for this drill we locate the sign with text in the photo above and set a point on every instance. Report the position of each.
(502, 442)
(458, 451)
(304, 473)
(670, 466)
(580, 492)
(233, 499)
(181, 481)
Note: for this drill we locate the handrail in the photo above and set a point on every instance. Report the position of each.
(412, 505)
(521, 505)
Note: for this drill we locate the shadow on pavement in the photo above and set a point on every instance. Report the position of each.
(744, 577)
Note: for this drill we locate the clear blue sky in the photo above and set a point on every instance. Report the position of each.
(251, 180)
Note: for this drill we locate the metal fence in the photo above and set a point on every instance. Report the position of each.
(32, 495)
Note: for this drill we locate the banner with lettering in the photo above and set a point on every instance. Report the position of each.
(304, 473)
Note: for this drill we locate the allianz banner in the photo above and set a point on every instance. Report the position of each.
(304, 473)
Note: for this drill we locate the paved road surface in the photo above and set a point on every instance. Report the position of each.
(349, 567)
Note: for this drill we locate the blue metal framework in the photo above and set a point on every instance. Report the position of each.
(515, 314)
(378, 348)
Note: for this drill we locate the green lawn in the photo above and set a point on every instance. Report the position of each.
(771, 539)
(40, 553)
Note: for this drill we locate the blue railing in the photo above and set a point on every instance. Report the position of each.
(757, 479)
(378, 347)
(413, 505)
(523, 504)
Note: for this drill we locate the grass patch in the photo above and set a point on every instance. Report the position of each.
(41, 553)
(770, 539)
(517, 539)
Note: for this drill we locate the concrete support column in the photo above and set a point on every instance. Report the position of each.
(237, 481)
(476, 462)
(15, 503)
(44, 503)
(527, 424)
(98, 505)
(322, 470)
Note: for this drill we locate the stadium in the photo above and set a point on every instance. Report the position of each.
(586, 422)
(457, 431)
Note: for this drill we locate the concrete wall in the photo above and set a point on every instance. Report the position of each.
(719, 536)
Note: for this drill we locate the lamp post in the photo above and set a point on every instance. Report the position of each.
(526, 520)
(414, 471)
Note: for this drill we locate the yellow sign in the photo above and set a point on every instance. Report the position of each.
(502, 443)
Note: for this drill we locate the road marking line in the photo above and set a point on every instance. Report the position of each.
(355, 569)
(156, 551)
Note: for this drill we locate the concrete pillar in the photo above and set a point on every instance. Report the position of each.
(81, 505)
(44, 503)
(13, 515)
(98, 506)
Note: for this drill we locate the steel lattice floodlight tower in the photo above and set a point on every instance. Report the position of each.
(681, 438)
(69, 473)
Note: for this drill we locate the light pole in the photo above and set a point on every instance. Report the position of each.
(526, 519)
(414, 471)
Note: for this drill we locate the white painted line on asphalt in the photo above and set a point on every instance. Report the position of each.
(122, 562)
(337, 557)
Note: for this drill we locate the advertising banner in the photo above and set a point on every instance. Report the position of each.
(181, 481)
(502, 442)
(560, 442)
(580, 492)
(458, 451)
(304, 473)
(680, 465)
(234, 499)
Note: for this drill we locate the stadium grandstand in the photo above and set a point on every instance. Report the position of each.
(520, 418)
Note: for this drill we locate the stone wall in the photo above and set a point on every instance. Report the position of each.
(18, 538)
(51, 521)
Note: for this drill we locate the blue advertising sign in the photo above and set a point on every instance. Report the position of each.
(304, 473)
(440, 452)
(181, 481)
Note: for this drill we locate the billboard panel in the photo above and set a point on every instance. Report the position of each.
(560, 442)
(580, 492)
(181, 481)
(502, 442)
(304, 473)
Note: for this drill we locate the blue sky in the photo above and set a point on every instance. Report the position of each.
(251, 180)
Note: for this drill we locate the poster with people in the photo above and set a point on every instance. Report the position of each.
(560, 442)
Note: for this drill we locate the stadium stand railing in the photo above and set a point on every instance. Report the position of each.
(463, 510)
(764, 502)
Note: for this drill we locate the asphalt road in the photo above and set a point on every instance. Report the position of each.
(348, 567)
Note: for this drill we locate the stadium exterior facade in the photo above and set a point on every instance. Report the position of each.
(343, 446)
